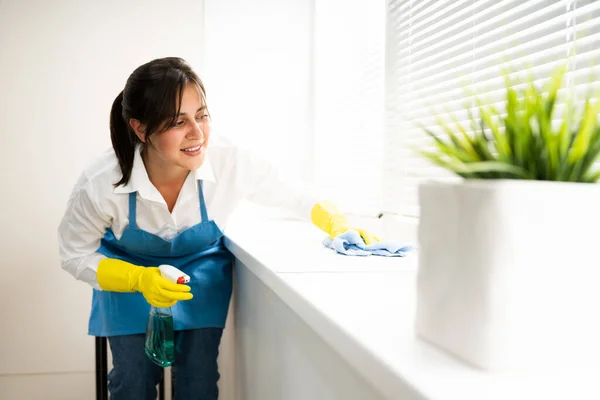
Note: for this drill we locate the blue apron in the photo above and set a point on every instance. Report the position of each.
(198, 251)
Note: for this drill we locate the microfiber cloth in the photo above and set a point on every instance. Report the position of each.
(351, 243)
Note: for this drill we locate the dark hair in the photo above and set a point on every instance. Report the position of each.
(152, 95)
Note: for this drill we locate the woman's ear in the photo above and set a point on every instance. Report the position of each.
(139, 129)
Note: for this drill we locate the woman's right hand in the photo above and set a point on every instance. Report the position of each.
(120, 276)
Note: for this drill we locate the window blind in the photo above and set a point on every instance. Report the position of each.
(436, 49)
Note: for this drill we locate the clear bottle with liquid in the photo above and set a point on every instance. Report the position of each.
(159, 344)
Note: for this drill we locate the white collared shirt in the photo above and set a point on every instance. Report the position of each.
(228, 173)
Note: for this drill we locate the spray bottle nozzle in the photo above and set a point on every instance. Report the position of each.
(173, 274)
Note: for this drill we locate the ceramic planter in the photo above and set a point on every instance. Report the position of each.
(509, 272)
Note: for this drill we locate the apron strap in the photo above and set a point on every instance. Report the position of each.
(203, 212)
(132, 206)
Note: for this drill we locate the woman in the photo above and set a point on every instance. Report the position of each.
(159, 196)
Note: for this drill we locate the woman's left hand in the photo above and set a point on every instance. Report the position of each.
(367, 236)
(328, 218)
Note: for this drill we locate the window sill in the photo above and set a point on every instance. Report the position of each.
(364, 309)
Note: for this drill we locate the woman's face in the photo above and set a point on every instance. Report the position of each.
(183, 145)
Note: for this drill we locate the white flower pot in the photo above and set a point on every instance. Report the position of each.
(509, 273)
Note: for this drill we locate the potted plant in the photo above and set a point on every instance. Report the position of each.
(509, 263)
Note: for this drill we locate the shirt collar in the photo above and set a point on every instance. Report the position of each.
(140, 182)
(205, 172)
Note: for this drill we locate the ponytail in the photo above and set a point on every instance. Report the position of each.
(123, 141)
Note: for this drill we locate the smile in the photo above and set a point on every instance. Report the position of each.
(191, 149)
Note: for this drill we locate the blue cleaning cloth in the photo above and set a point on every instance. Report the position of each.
(352, 244)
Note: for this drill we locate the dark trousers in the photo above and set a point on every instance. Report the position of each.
(195, 371)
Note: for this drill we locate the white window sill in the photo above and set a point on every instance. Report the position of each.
(364, 309)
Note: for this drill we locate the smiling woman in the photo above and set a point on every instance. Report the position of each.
(162, 195)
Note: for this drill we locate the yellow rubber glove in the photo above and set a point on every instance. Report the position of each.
(326, 216)
(120, 276)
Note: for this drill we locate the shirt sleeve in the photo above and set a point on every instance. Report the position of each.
(262, 183)
(80, 232)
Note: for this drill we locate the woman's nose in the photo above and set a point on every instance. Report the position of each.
(195, 131)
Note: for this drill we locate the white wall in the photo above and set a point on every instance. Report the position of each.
(349, 53)
(62, 64)
(258, 77)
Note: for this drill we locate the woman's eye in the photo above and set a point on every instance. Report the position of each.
(178, 123)
(202, 117)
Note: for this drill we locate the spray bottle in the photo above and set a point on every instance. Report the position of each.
(159, 344)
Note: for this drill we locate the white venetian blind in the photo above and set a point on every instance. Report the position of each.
(437, 48)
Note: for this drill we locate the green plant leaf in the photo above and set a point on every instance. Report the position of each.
(492, 166)
(593, 177)
(467, 141)
(589, 121)
(504, 152)
(555, 83)
(591, 156)
(445, 163)
(446, 148)
(481, 143)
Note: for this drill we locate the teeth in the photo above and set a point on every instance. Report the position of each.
(192, 149)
